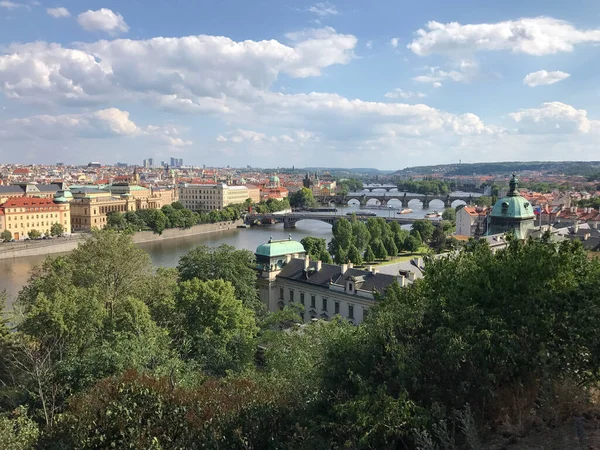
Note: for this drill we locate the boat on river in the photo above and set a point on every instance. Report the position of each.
(433, 215)
(405, 211)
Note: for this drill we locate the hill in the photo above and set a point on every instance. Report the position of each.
(497, 168)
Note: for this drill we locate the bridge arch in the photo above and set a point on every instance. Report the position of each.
(415, 203)
(353, 201)
(457, 202)
(436, 203)
(395, 203)
(373, 201)
(308, 219)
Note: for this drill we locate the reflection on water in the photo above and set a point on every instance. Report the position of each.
(14, 273)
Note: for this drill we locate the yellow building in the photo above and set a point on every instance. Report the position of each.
(209, 197)
(89, 207)
(22, 215)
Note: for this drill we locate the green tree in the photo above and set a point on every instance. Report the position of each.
(424, 227)
(484, 201)
(354, 255)
(412, 244)
(438, 240)
(216, 329)
(57, 230)
(154, 219)
(135, 222)
(390, 246)
(360, 235)
(225, 263)
(34, 234)
(18, 431)
(116, 220)
(342, 256)
(379, 249)
(6, 236)
(315, 248)
(303, 198)
(369, 255)
(449, 214)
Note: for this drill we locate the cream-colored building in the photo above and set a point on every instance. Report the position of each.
(209, 197)
(89, 208)
(21, 215)
(286, 275)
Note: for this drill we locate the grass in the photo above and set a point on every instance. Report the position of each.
(402, 258)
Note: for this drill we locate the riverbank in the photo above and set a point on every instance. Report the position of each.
(11, 250)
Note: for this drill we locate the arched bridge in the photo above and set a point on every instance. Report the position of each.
(290, 220)
(404, 198)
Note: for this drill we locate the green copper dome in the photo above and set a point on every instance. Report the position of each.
(513, 206)
(279, 248)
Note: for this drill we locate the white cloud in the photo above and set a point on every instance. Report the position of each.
(369, 44)
(103, 20)
(436, 84)
(554, 118)
(192, 74)
(103, 123)
(394, 42)
(400, 93)
(543, 77)
(7, 4)
(465, 71)
(58, 12)
(323, 9)
(532, 36)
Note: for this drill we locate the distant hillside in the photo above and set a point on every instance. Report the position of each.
(498, 168)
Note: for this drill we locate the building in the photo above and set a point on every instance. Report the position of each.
(209, 197)
(30, 190)
(21, 215)
(512, 213)
(90, 206)
(471, 221)
(287, 275)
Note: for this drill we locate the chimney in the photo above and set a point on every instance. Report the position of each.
(401, 280)
(375, 271)
(288, 258)
(344, 268)
(350, 265)
(306, 262)
(319, 263)
(369, 268)
(411, 275)
(576, 226)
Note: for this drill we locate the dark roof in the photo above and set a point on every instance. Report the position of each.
(11, 189)
(366, 281)
(47, 187)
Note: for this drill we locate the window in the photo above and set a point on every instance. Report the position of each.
(350, 287)
(351, 311)
(336, 307)
(302, 297)
(281, 293)
(291, 295)
(313, 301)
(324, 304)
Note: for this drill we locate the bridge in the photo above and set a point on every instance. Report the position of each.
(290, 220)
(383, 200)
(386, 187)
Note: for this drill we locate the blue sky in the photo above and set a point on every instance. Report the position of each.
(384, 84)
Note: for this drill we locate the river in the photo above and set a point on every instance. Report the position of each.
(14, 273)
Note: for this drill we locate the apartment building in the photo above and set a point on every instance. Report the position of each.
(209, 197)
(23, 214)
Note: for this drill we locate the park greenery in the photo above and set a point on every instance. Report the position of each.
(303, 199)
(347, 185)
(104, 351)
(431, 187)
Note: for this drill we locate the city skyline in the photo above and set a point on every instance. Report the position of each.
(300, 84)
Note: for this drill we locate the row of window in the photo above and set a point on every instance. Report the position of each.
(37, 216)
(313, 303)
(38, 224)
(42, 208)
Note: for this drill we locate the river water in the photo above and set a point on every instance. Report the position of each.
(14, 273)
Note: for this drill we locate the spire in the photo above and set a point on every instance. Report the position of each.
(513, 192)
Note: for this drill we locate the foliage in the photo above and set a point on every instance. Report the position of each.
(484, 201)
(18, 431)
(425, 229)
(449, 214)
(34, 234)
(347, 185)
(215, 329)
(6, 236)
(316, 249)
(272, 205)
(223, 263)
(432, 187)
(379, 249)
(390, 246)
(591, 202)
(303, 199)
(369, 255)
(438, 240)
(57, 230)
(354, 255)
(412, 244)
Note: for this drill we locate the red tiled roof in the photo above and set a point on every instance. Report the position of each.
(21, 171)
(28, 201)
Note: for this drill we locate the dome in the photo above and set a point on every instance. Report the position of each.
(274, 179)
(63, 196)
(280, 248)
(513, 206)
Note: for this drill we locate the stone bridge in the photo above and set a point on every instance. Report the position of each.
(403, 198)
(290, 220)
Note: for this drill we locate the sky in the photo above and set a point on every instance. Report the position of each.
(279, 83)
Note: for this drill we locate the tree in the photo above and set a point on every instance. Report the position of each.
(116, 220)
(34, 234)
(354, 255)
(154, 219)
(369, 255)
(57, 230)
(390, 246)
(424, 227)
(412, 244)
(379, 249)
(225, 263)
(6, 236)
(360, 235)
(341, 257)
(303, 198)
(438, 240)
(484, 201)
(18, 431)
(217, 330)
(449, 214)
(315, 248)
